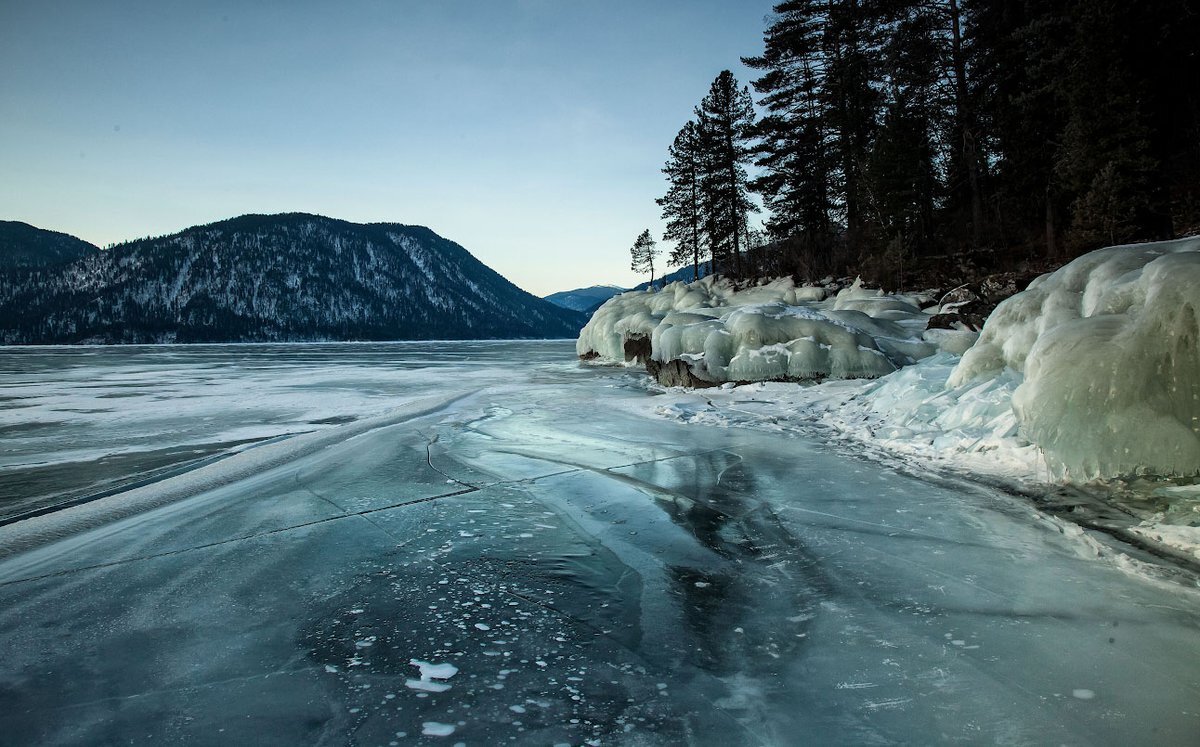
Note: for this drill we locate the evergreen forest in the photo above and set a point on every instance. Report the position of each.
(923, 139)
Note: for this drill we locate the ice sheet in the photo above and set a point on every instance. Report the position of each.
(589, 574)
(78, 421)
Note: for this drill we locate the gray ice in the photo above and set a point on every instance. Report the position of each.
(499, 546)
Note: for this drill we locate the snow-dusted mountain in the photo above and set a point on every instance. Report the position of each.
(275, 278)
(686, 273)
(25, 246)
(584, 299)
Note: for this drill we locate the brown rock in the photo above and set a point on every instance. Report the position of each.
(971, 314)
(996, 288)
(960, 295)
(677, 373)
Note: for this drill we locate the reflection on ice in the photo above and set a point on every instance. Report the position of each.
(531, 564)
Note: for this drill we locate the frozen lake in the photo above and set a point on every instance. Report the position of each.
(488, 543)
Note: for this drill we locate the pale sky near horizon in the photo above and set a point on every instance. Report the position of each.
(532, 132)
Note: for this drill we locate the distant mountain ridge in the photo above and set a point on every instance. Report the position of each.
(587, 300)
(23, 246)
(262, 278)
(686, 273)
(584, 299)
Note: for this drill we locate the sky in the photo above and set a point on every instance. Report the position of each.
(532, 132)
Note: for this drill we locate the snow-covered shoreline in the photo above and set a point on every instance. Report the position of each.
(1089, 377)
(1153, 514)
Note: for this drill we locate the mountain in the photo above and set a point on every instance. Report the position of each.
(584, 299)
(286, 277)
(23, 246)
(684, 273)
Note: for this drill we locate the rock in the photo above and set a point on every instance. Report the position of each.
(590, 355)
(970, 315)
(996, 288)
(677, 372)
(968, 305)
(958, 296)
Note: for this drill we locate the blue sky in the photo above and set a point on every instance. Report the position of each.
(530, 131)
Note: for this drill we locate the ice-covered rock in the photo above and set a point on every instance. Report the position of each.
(1107, 346)
(719, 331)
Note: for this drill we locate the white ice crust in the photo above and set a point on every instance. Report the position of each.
(1106, 348)
(1096, 364)
(773, 331)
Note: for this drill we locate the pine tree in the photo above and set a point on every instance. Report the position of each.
(681, 206)
(642, 253)
(1105, 159)
(820, 85)
(793, 137)
(893, 126)
(902, 173)
(1016, 54)
(726, 118)
(850, 47)
(1092, 138)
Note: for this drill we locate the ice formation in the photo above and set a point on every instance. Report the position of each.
(1096, 363)
(1107, 347)
(773, 331)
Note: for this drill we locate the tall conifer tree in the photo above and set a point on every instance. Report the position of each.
(681, 206)
(726, 118)
(794, 135)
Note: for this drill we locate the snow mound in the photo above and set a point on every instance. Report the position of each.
(773, 331)
(1107, 347)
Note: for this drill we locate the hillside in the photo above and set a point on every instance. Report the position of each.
(23, 246)
(686, 273)
(584, 299)
(283, 277)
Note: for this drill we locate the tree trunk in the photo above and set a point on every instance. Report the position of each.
(1051, 244)
(965, 125)
(733, 207)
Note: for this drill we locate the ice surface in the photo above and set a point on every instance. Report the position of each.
(83, 420)
(1107, 347)
(592, 575)
(773, 331)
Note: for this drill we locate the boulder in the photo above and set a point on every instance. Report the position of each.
(963, 294)
(677, 372)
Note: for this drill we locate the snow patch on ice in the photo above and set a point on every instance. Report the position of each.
(1185, 539)
(428, 686)
(436, 729)
(434, 671)
(430, 673)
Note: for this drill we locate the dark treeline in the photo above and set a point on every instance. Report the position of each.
(952, 134)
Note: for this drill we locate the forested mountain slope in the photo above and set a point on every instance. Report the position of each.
(275, 278)
(25, 246)
(584, 299)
